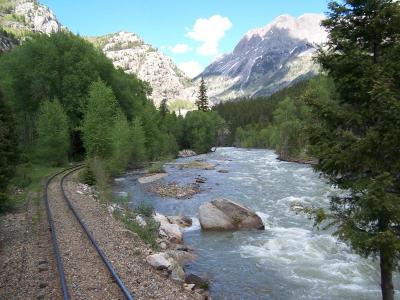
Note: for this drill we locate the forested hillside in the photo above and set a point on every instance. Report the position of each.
(70, 103)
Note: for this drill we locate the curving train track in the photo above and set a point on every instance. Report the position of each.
(84, 270)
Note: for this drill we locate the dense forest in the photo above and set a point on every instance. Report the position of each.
(277, 122)
(64, 101)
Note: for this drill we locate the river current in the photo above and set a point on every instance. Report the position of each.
(290, 259)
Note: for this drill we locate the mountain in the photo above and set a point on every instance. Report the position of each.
(130, 53)
(24, 16)
(19, 18)
(267, 59)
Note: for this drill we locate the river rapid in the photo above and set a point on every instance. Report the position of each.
(289, 259)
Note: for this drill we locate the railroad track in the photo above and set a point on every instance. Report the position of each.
(84, 270)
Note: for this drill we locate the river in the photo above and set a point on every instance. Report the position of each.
(290, 259)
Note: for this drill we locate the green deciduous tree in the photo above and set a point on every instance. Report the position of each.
(201, 130)
(100, 116)
(138, 139)
(356, 131)
(121, 145)
(52, 143)
(8, 149)
(202, 98)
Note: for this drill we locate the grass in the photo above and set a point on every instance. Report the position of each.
(157, 167)
(148, 233)
(29, 178)
(95, 173)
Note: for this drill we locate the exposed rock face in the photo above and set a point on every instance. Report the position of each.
(224, 214)
(28, 16)
(267, 59)
(130, 53)
(7, 43)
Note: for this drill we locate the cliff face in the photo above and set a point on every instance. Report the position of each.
(21, 16)
(267, 59)
(130, 53)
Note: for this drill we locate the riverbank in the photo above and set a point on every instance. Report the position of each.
(289, 259)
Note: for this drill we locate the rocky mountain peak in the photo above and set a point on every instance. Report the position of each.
(267, 59)
(21, 16)
(306, 27)
(130, 53)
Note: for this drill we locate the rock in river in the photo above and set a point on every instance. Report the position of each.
(159, 261)
(171, 231)
(186, 153)
(224, 214)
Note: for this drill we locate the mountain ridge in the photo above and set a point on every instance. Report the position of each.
(267, 59)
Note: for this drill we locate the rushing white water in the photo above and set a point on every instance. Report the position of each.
(290, 259)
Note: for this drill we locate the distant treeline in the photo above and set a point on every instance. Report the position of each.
(278, 122)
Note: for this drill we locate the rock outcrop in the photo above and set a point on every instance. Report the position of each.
(24, 16)
(186, 153)
(224, 214)
(131, 54)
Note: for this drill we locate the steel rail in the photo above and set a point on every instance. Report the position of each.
(56, 247)
(104, 258)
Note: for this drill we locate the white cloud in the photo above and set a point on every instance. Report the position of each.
(180, 48)
(209, 31)
(191, 68)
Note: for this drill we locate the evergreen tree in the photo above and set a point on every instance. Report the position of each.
(164, 106)
(202, 99)
(8, 150)
(52, 143)
(356, 131)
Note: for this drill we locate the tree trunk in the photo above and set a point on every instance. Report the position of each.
(386, 276)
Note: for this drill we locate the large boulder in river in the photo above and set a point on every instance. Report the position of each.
(186, 153)
(224, 214)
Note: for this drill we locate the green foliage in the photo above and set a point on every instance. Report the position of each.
(8, 150)
(121, 145)
(52, 142)
(157, 167)
(163, 107)
(99, 120)
(284, 131)
(356, 128)
(86, 176)
(148, 233)
(138, 139)
(28, 177)
(201, 130)
(202, 98)
(178, 104)
(96, 173)
(144, 209)
(63, 66)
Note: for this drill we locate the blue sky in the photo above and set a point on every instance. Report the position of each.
(192, 32)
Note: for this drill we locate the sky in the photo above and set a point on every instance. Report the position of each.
(192, 32)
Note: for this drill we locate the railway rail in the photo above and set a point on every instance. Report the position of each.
(58, 250)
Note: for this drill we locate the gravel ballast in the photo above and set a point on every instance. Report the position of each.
(126, 251)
